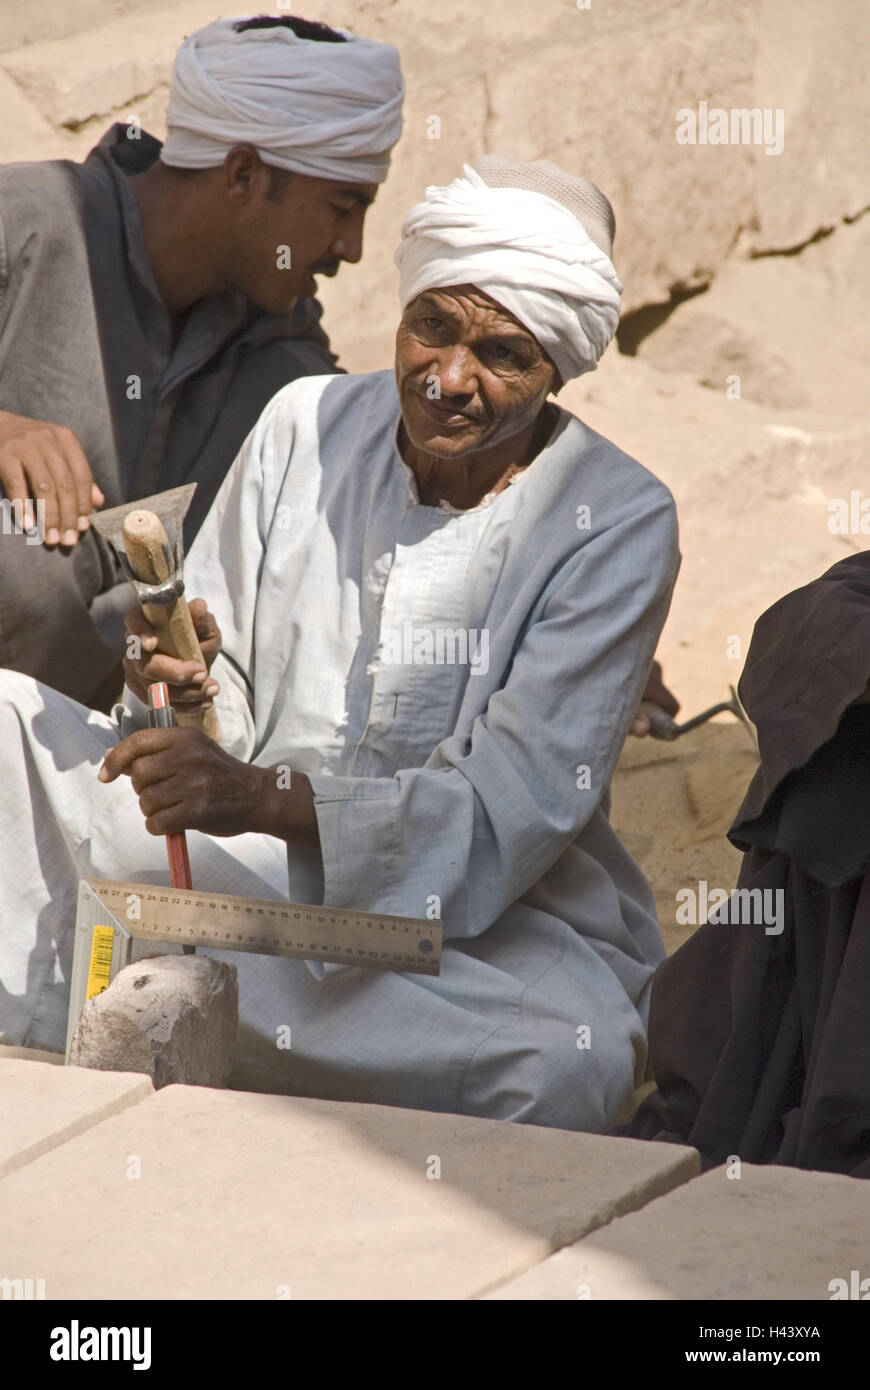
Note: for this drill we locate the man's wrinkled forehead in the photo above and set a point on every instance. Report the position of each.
(463, 302)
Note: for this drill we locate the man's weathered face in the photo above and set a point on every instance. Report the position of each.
(318, 221)
(492, 374)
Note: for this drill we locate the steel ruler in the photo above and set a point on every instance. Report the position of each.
(117, 923)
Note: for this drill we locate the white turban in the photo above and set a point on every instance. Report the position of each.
(329, 110)
(525, 250)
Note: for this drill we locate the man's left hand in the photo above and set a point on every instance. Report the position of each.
(185, 781)
(656, 693)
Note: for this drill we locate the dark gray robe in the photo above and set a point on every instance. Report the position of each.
(86, 342)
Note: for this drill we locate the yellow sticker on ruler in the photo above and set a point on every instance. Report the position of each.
(100, 970)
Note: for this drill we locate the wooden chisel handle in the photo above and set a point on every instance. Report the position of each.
(147, 549)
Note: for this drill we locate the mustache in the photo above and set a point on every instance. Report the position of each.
(473, 416)
(329, 268)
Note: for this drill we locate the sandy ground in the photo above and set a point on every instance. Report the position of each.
(673, 802)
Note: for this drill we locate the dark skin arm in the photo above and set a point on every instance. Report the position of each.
(184, 781)
(40, 461)
(658, 694)
(189, 682)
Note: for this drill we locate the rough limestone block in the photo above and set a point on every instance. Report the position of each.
(824, 282)
(89, 74)
(27, 133)
(43, 1105)
(771, 1233)
(711, 349)
(172, 1017)
(22, 24)
(246, 1196)
(825, 100)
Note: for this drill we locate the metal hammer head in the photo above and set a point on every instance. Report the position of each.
(169, 508)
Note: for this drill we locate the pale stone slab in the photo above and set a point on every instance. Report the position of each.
(244, 1196)
(772, 1233)
(29, 1054)
(42, 1106)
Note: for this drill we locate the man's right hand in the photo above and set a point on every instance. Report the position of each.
(188, 681)
(41, 462)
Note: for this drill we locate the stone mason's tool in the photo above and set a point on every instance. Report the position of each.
(664, 727)
(147, 537)
(120, 924)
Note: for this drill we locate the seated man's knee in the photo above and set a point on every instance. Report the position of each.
(19, 692)
(554, 1075)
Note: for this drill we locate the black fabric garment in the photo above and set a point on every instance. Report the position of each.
(760, 1042)
(819, 815)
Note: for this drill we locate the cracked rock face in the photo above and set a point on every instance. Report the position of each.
(172, 1017)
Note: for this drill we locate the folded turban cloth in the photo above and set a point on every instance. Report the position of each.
(533, 238)
(329, 110)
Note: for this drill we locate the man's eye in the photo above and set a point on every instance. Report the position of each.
(434, 324)
(340, 211)
(504, 353)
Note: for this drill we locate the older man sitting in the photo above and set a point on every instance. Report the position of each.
(366, 522)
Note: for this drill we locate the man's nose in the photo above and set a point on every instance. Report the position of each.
(348, 245)
(456, 370)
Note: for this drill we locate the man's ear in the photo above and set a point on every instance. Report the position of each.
(242, 167)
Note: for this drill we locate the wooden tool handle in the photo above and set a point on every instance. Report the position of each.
(147, 545)
(147, 549)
